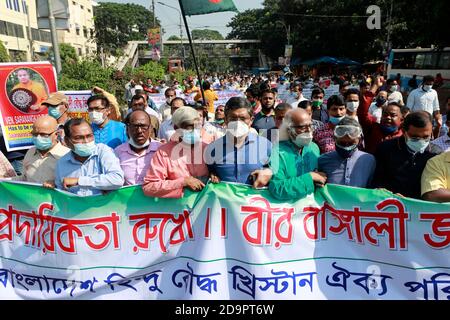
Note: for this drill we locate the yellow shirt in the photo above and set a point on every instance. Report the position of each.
(39, 169)
(210, 97)
(436, 174)
(37, 88)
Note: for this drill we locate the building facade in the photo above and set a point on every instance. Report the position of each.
(18, 18)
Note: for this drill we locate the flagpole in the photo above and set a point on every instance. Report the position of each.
(192, 50)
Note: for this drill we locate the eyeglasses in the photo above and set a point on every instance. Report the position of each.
(351, 131)
(305, 127)
(138, 127)
(43, 135)
(96, 109)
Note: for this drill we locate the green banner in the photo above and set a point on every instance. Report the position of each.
(227, 242)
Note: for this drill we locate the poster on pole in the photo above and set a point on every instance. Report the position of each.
(24, 87)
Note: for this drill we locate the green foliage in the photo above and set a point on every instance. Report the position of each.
(179, 76)
(173, 38)
(4, 57)
(152, 70)
(338, 28)
(206, 34)
(117, 23)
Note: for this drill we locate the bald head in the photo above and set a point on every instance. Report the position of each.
(46, 122)
(46, 127)
(298, 116)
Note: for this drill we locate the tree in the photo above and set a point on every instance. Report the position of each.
(4, 57)
(206, 34)
(173, 38)
(338, 28)
(116, 24)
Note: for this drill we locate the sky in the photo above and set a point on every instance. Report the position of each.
(170, 18)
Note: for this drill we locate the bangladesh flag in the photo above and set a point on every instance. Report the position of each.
(196, 7)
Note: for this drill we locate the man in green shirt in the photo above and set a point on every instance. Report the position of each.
(294, 159)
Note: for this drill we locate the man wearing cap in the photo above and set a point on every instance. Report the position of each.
(40, 161)
(57, 107)
(347, 165)
(178, 164)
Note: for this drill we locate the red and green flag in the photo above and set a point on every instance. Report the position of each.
(196, 7)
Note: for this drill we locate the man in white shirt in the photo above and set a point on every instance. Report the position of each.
(296, 95)
(426, 98)
(166, 130)
(164, 109)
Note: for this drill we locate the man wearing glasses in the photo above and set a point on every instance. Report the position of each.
(40, 161)
(347, 165)
(90, 169)
(294, 160)
(135, 155)
(106, 131)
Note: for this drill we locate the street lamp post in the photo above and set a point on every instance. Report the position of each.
(181, 26)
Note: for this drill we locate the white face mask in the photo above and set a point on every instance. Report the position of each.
(394, 88)
(427, 87)
(138, 146)
(238, 128)
(302, 139)
(96, 117)
(352, 106)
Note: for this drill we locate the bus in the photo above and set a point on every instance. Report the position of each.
(419, 62)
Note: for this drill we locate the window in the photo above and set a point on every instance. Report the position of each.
(89, 10)
(85, 32)
(3, 29)
(79, 52)
(16, 5)
(74, 3)
(403, 60)
(444, 60)
(82, 7)
(24, 7)
(92, 33)
(9, 4)
(78, 31)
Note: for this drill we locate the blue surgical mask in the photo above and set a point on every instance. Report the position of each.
(394, 88)
(335, 120)
(417, 145)
(345, 152)
(84, 149)
(191, 136)
(388, 129)
(54, 112)
(42, 143)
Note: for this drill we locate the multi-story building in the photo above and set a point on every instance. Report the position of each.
(18, 18)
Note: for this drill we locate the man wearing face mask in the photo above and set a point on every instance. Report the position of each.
(252, 94)
(426, 98)
(166, 130)
(178, 164)
(319, 109)
(106, 131)
(57, 108)
(389, 126)
(347, 165)
(239, 156)
(40, 161)
(401, 161)
(352, 102)
(376, 108)
(164, 109)
(90, 169)
(294, 160)
(324, 136)
(135, 155)
(393, 89)
(296, 95)
(219, 121)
